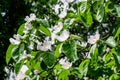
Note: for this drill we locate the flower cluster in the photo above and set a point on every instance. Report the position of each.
(49, 41)
(65, 64)
(94, 38)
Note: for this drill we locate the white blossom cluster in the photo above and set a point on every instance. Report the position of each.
(65, 63)
(49, 41)
(21, 75)
(94, 38)
(62, 9)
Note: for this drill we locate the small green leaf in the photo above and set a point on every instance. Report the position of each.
(48, 59)
(111, 42)
(9, 53)
(86, 19)
(117, 7)
(45, 30)
(64, 75)
(94, 52)
(100, 14)
(58, 50)
(76, 37)
(21, 48)
(83, 6)
(107, 57)
(117, 32)
(83, 67)
(70, 50)
(20, 30)
(18, 67)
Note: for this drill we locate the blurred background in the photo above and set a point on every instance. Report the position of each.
(12, 14)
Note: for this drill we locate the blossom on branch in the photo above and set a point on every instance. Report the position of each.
(65, 64)
(94, 38)
(15, 40)
(45, 46)
(30, 18)
(63, 36)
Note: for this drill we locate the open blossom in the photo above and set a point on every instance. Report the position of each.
(80, 1)
(45, 46)
(21, 75)
(30, 18)
(63, 14)
(25, 55)
(63, 36)
(56, 8)
(58, 27)
(15, 40)
(65, 64)
(93, 38)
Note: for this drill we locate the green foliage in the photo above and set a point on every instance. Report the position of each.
(9, 53)
(70, 50)
(83, 44)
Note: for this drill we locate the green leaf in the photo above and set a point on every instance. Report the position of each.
(86, 19)
(117, 59)
(44, 23)
(58, 50)
(117, 32)
(83, 67)
(76, 37)
(107, 57)
(100, 14)
(76, 72)
(117, 7)
(64, 75)
(20, 30)
(45, 30)
(94, 52)
(9, 53)
(21, 48)
(83, 6)
(18, 67)
(111, 42)
(70, 50)
(48, 59)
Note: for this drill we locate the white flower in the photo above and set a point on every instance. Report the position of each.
(31, 18)
(15, 40)
(93, 38)
(31, 46)
(80, 1)
(58, 28)
(63, 14)
(63, 36)
(108, 49)
(25, 55)
(65, 64)
(69, 1)
(83, 44)
(21, 75)
(36, 71)
(45, 46)
(56, 8)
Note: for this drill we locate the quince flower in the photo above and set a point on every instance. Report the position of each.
(45, 46)
(15, 40)
(93, 38)
(63, 14)
(58, 28)
(21, 75)
(31, 18)
(65, 64)
(63, 36)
